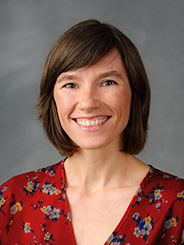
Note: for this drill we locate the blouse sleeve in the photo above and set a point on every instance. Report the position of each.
(6, 199)
(9, 206)
(174, 220)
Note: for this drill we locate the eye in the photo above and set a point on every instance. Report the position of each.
(70, 85)
(108, 83)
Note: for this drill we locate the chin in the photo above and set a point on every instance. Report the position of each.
(94, 146)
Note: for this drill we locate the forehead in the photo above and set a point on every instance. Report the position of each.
(110, 64)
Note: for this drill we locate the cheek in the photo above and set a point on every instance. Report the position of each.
(121, 99)
(64, 105)
(60, 103)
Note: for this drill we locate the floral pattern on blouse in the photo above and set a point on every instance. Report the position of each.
(34, 210)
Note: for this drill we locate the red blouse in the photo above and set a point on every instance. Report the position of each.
(34, 210)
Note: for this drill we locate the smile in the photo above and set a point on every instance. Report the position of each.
(92, 122)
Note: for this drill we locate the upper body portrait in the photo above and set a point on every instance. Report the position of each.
(94, 105)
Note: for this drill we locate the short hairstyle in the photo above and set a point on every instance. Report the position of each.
(83, 45)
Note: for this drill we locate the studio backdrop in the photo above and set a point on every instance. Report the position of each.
(28, 30)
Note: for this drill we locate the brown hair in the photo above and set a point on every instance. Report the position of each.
(82, 45)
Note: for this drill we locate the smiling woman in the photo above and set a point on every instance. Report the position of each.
(94, 105)
(82, 46)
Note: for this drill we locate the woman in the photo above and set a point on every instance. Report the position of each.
(94, 106)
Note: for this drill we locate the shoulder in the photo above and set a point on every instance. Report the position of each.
(170, 181)
(30, 181)
(167, 186)
(159, 208)
(27, 186)
(23, 196)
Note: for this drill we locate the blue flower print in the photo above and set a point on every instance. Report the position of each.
(32, 186)
(144, 226)
(180, 196)
(114, 239)
(50, 170)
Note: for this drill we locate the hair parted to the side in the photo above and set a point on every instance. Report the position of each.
(82, 45)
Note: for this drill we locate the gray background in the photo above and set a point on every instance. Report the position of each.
(27, 32)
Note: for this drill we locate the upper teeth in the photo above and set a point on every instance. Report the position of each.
(88, 123)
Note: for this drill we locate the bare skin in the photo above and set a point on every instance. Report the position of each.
(98, 199)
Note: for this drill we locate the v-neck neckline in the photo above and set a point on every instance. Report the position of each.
(128, 210)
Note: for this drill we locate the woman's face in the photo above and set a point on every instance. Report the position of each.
(93, 103)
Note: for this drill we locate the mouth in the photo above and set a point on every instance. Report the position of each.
(86, 122)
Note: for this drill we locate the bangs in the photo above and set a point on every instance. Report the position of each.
(80, 47)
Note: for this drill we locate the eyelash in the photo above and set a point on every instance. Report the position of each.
(104, 83)
(70, 85)
(108, 83)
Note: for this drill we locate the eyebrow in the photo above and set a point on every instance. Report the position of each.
(111, 73)
(70, 77)
(67, 77)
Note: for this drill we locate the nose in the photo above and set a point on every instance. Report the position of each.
(88, 100)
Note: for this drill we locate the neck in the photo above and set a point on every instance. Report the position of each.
(96, 169)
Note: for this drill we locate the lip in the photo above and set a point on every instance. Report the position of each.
(91, 123)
